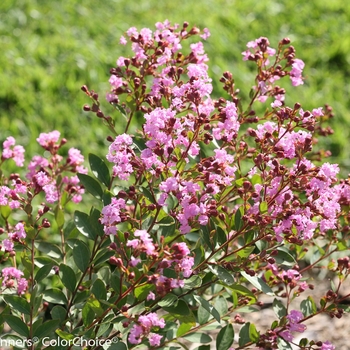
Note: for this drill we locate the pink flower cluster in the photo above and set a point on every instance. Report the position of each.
(112, 215)
(142, 329)
(120, 154)
(12, 277)
(11, 150)
(294, 317)
(16, 235)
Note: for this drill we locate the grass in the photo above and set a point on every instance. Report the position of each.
(51, 48)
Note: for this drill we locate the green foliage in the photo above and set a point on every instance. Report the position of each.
(52, 48)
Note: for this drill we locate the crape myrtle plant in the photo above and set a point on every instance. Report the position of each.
(200, 210)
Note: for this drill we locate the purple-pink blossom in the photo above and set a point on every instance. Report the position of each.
(46, 140)
(13, 151)
(10, 274)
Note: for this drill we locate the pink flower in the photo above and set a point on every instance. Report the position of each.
(296, 72)
(327, 345)
(9, 274)
(111, 215)
(75, 157)
(49, 139)
(206, 34)
(12, 151)
(154, 339)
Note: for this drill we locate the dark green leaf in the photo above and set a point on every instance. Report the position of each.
(224, 275)
(99, 169)
(198, 337)
(55, 296)
(81, 255)
(46, 328)
(43, 272)
(68, 278)
(88, 315)
(51, 250)
(225, 337)
(308, 306)
(283, 257)
(181, 309)
(168, 300)
(279, 309)
(220, 304)
(202, 315)
(91, 185)
(17, 325)
(147, 193)
(59, 216)
(82, 222)
(58, 312)
(238, 219)
(244, 335)
(258, 283)
(99, 290)
(17, 303)
(207, 306)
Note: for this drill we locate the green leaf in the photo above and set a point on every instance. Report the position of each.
(43, 272)
(193, 282)
(95, 306)
(184, 327)
(198, 337)
(224, 276)
(5, 211)
(46, 328)
(258, 283)
(263, 207)
(256, 179)
(147, 193)
(83, 224)
(64, 335)
(238, 219)
(168, 300)
(253, 333)
(17, 325)
(88, 314)
(55, 296)
(142, 291)
(308, 306)
(51, 250)
(68, 277)
(59, 216)
(58, 312)
(91, 185)
(81, 255)
(100, 169)
(99, 290)
(225, 337)
(202, 315)
(220, 304)
(279, 309)
(181, 309)
(207, 306)
(17, 303)
(283, 257)
(103, 256)
(244, 337)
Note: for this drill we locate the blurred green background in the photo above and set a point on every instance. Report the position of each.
(50, 48)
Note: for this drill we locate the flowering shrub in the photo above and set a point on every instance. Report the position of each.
(203, 209)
